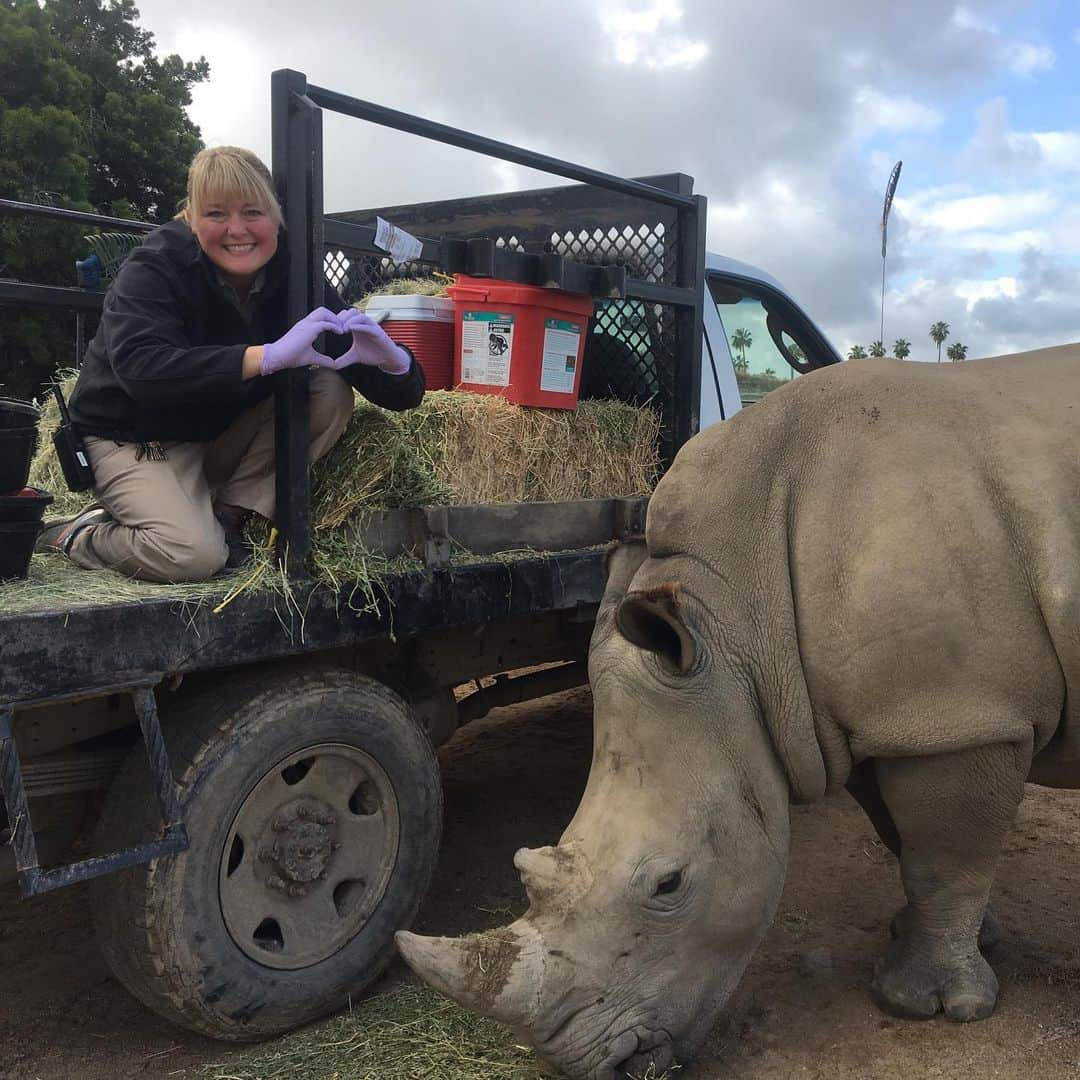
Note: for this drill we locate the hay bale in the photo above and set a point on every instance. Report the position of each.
(478, 448)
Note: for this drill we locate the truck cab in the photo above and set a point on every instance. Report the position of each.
(756, 337)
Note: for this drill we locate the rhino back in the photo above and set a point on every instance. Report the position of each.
(924, 520)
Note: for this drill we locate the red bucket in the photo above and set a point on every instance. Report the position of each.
(521, 342)
(425, 325)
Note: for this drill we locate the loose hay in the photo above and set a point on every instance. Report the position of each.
(409, 286)
(454, 449)
(410, 1033)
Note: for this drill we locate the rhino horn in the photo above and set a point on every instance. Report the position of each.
(498, 973)
(539, 869)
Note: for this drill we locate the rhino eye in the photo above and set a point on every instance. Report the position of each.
(669, 884)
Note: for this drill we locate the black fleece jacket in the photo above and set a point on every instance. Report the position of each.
(165, 364)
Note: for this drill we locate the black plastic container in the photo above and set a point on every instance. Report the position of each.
(17, 540)
(18, 414)
(30, 507)
(16, 451)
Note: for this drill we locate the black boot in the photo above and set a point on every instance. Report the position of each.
(232, 519)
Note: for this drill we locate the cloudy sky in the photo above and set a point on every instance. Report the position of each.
(788, 113)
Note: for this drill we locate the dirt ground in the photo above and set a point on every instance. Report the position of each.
(802, 1010)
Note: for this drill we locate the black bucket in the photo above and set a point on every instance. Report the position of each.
(17, 540)
(16, 451)
(18, 414)
(24, 507)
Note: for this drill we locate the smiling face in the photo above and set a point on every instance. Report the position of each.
(239, 237)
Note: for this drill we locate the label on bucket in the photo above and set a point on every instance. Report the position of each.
(487, 340)
(561, 341)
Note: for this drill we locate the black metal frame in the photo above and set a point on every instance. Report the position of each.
(296, 125)
(33, 880)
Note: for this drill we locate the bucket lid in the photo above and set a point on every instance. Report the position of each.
(498, 293)
(416, 307)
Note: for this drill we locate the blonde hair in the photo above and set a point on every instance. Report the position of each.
(224, 173)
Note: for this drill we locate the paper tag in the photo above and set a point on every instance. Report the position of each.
(402, 246)
(487, 345)
(559, 359)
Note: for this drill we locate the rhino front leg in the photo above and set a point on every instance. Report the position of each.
(951, 812)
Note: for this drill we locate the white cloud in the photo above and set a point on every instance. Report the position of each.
(963, 18)
(1004, 243)
(1061, 149)
(1020, 57)
(987, 211)
(974, 291)
(647, 37)
(1027, 59)
(875, 110)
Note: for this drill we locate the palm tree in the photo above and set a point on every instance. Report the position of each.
(856, 352)
(877, 349)
(938, 333)
(956, 352)
(901, 348)
(741, 340)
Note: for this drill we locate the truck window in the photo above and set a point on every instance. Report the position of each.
(768, 347)
(619, 360)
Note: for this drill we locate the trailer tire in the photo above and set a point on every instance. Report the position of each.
(313, 805)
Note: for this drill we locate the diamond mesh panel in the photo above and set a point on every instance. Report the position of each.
(355, 274)
(642, 251)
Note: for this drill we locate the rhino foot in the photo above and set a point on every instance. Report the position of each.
(991, 932)
(920, 976)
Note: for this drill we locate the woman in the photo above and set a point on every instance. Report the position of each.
(174, 398)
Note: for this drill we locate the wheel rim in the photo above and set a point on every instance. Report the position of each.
(308, 856)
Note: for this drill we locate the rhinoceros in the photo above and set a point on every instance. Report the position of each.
(871, 578)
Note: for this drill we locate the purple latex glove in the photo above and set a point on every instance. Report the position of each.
(371, 345)
(295, 347)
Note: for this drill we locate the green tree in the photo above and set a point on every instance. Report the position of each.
(938, 333)
(956, 352)
(90, 119)
(877, 349)
(741, 340)
(901, 348)
(856, 352)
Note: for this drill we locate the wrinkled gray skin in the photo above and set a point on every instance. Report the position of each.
(869, 578)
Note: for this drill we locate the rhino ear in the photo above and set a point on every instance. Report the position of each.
(652, 620)
(621, 562)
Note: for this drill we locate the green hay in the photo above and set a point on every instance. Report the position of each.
(432, 286)
(410, 1033)
(54, 583)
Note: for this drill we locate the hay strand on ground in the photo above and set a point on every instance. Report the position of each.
(410, 1033)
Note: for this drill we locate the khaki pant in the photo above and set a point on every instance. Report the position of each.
(164, 527)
